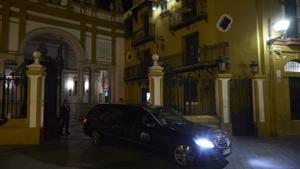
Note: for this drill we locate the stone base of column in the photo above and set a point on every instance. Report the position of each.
(263, 129)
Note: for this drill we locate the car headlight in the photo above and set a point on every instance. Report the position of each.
(204, 143)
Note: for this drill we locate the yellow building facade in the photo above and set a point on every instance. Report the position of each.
(224, 64)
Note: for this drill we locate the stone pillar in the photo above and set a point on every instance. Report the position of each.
(80, 87)
(112, 84)
(155, 76)
(35, 100)
(223, 101)
(259, 106)
(92, 93)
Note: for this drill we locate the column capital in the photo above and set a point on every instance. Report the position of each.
(224, 76)
(36, 68)
(155, 73)
(259, 76)
(156, 66)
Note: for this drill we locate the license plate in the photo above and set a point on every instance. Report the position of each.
(226, 151)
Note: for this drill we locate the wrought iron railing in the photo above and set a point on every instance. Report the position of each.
(13, 96)
(133, 72)
(208, 55)
(190, 95)
(143, 35)
(185, 16)
(80, 7)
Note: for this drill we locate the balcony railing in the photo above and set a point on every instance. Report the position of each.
(79, 7)
(136, 72)
(207, 57)
(143, 35)
(185, 16)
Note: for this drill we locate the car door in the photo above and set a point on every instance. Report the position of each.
(109, 122)
(146, 130)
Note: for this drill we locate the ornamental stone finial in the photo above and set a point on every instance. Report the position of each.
(37, 57)
(155, 58)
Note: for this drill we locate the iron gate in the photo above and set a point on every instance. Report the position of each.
(294, 86)
(241, 107)
(13, 97)
(190, 95)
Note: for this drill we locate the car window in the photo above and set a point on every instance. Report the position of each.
(142, 118)
(111, 116)
(130, 116)
(94, 113)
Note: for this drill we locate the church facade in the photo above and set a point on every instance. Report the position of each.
(81, 50)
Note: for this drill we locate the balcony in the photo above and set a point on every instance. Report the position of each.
(143, 35)
(185, 16)
(136, 72)
(206, 59)
(77, 8)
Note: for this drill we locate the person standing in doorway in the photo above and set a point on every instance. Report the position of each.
(64, 115)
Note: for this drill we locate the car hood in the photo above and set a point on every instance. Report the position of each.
(190, 128)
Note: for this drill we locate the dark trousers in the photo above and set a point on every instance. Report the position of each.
(64, 123)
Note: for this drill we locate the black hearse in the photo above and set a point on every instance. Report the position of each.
(157, 126)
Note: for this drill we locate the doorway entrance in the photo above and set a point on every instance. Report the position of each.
(59, 60)
(241, 107)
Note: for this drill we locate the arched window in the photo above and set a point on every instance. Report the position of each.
(292, 66)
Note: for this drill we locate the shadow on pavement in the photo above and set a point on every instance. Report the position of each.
(75, 151)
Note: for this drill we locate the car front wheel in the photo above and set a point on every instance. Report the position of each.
(95, 138)
(184, 154)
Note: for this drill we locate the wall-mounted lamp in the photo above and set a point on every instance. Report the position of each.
(154, 4)
(281, 26)
(86, 86)
(253, 67)
(70, 86)
(223, 64)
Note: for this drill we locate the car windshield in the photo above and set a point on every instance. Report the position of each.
(168, 115)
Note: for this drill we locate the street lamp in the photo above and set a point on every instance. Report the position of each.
(223, 64)
(253, 67)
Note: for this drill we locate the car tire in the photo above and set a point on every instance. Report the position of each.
(95, 138)
(183, 154)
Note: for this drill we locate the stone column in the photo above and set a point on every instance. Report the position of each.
(93, 98)
(80, 87)
(155, 76)
(35, 100)
(223, 101)
(259, 106)
(112, 83)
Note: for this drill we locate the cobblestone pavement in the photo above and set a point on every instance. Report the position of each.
(74, 152)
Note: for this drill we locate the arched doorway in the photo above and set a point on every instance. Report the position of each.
(60, 54)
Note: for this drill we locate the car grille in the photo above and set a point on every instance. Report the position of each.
(220, 139)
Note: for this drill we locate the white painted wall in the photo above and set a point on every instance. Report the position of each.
(13, 34)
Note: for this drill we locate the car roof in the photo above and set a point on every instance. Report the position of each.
(143, 106)
(125, 105)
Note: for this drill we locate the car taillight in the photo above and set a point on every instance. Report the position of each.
(84, 120)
